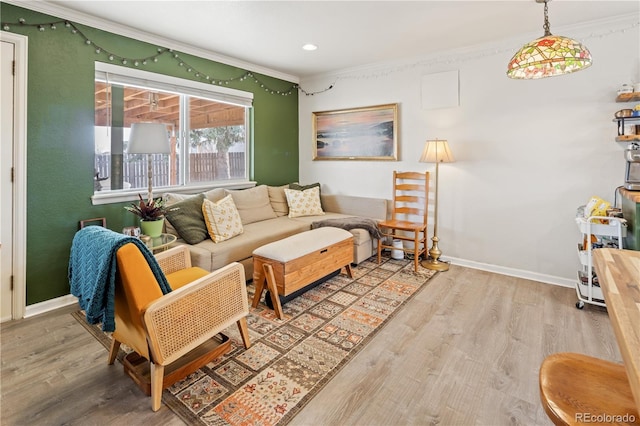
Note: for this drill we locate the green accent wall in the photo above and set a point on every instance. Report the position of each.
(60, 137)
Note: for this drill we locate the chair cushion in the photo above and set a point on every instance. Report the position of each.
(222, 219)
(304, 203)
(185, 276)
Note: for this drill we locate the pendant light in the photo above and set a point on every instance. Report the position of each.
(548, 55)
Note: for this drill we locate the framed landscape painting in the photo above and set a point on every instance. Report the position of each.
(368, 133)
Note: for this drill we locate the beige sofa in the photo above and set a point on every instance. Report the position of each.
(265, 218)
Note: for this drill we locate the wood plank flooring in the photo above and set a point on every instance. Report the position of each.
(465, 351)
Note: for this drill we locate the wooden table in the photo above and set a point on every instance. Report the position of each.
(619, 275)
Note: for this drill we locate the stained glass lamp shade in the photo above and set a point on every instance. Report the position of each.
(548, 56)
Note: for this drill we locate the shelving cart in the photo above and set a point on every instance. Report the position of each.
(597, 231)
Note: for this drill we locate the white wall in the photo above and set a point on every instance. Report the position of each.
(528, 152)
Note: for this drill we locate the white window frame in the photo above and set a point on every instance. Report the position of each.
(134, 77)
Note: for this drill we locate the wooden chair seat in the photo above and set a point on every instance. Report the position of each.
(578, 389)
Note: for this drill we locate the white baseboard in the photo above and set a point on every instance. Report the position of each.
(512, 272)
(50, 305)
(59, 302)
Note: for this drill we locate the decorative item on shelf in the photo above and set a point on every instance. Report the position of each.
(625, 88)
(436, 151)
(623, 113)
(548, 55)
(151, 214)
(149, 138)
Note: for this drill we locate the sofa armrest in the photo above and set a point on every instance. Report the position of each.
(182, 320)
(174, 259)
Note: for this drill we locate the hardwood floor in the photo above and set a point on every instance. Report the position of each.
(465, 351)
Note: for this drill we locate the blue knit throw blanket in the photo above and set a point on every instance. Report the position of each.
(92, 272)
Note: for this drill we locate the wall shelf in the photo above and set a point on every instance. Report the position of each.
(628, 138)
(628, 97)
(635, 136)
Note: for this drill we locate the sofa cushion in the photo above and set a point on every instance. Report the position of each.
(278, 200)
(215, 194)
(188, 220)
(253, 204)
(222, 219)
(212, 256)
(304, 203)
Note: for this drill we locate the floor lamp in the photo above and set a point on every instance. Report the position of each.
(436, 151)
(149, 138)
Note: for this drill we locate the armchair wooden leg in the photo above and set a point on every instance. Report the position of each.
(113, 351)
(244, 332)
(157, 376)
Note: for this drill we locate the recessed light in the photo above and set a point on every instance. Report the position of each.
(309, 47)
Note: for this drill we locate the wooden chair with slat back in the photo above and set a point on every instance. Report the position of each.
(409, 214)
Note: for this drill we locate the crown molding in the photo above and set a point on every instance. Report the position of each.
(583, 31)
(123, 30)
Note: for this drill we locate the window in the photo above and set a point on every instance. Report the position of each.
(208, 127)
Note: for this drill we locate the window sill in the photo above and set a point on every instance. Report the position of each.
(111, 197)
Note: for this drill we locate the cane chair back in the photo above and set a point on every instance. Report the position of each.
(174, 334)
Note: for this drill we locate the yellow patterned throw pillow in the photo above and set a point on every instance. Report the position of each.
(304, 203)
(222, 219)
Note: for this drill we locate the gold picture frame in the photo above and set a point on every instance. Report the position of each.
(366, 133)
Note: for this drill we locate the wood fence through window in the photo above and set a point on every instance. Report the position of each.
(202, 168)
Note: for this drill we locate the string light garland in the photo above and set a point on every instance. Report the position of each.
(162, 51)
(372, 74)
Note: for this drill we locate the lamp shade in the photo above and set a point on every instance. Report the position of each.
(549, 56)
(436, 151)
(149, 138)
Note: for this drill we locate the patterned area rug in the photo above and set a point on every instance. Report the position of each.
(290, 360)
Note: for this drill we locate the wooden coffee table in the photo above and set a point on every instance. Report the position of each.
(295, 262)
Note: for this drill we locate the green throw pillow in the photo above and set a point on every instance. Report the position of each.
(299, 187)
(189, 220)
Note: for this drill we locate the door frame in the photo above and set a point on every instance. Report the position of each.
(19, 211)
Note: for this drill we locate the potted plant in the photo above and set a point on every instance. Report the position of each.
(151, 214)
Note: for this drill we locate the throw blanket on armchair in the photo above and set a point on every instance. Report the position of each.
(92, 272)
(349, 223)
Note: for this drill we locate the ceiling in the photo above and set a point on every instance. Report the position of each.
(349, 34)
(142, 105)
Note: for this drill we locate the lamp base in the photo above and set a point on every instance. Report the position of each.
(435, 265)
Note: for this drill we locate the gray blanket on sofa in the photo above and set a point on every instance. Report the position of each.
(350, 223)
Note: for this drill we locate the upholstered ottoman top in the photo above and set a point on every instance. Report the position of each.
(303, 243)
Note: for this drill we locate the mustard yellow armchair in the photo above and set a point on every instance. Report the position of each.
(178, 332)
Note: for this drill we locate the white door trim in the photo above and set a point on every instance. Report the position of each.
(20, 173)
